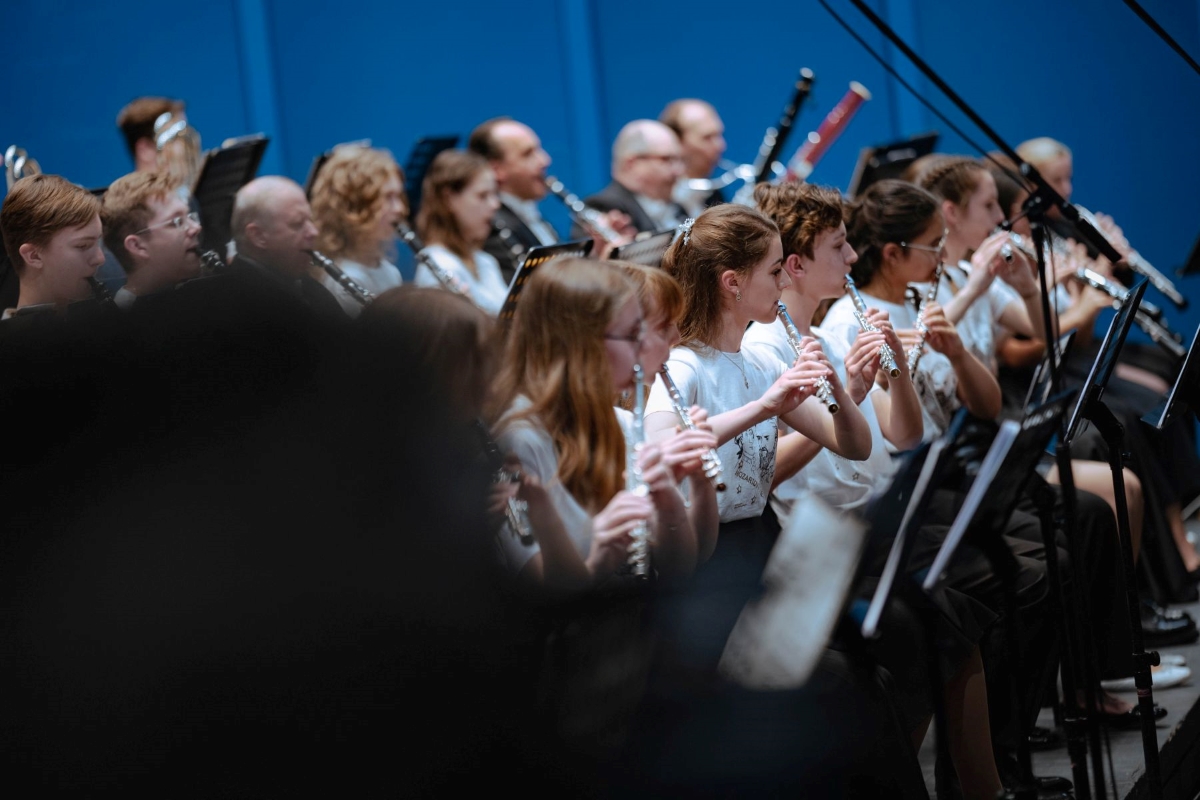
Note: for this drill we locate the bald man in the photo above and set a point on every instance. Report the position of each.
(702, 138)
(647, 161)
(274, 233)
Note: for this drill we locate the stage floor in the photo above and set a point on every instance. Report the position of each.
(1126, 746)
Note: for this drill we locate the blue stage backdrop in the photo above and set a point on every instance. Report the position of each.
(311, 74)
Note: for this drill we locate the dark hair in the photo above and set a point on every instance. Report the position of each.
(723, 237)
(136, 120)
(450, 173)
(482, 142)
(889, 211)
(802, 211)
(1008, 188)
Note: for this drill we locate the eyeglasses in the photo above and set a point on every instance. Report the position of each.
(935, 249)
(173, 222)
(636, 337)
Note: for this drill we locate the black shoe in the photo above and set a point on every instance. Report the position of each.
(1046, 739)
(1160, 630)
(1132, 719)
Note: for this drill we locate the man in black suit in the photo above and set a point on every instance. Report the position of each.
(516, 155)
(274, 233)
(647, 162)
(702, 136)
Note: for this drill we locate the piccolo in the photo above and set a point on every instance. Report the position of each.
(588, 218)
(443, 276)
(639, 537)
(887, 358)
(360, 293)
(710, 460)
(824, 391)
(802, 163)
(917, 350)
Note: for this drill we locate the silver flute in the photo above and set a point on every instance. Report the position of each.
(917, 350)
(710, 460)
(443, 276)
(588, 218)
(1140, 265)
(639, 537)
(824, 391)
(1147, 315)
(887, 358)
(361, 294)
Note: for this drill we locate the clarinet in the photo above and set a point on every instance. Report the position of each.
(353, 288)
(639, 544)
(824, 390)
(887, 358)
(100, 292)
(588, 218)
(710, 460)
(443, 276)
(516, 512)
(918, 349)
(211, 262)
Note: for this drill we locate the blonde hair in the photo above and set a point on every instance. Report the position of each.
(347, 198)
(556, 357)
(126, 208)
(723, 237)
(1042, 150)
(953, 178)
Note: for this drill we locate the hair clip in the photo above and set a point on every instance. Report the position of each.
(685, 228)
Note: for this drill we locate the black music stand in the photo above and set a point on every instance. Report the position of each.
(895, 513)
(224, 171)
(1185, 394)
(889, 160)
(319, 162)
(1090, 406)
(648, 251)
(534, 259)
(422, 155)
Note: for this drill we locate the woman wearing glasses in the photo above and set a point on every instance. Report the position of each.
(357, 201)
(574, 341)
(898, 231)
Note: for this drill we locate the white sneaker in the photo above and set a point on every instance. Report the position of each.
(1161, 677)
(1172, 659)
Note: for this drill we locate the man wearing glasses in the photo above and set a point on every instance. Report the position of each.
(647, 162)
(151, 231)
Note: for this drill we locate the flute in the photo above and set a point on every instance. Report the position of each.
(639, 537)
(887, 358)
(918, 349)
(824, 391)
(711, 461)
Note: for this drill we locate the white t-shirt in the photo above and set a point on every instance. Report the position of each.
(936, 382)
(980, 327)
(532, 444)
(720, 382)
(488, 290)
(841, 483)
(376, 280)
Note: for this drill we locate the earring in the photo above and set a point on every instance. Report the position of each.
(739, 295)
